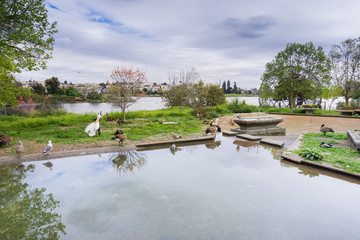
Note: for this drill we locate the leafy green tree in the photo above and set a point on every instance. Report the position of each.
(214, 95)
(74, 93)
(52, 85)
(26, 42)
(235, 88)
(38, 88)
(228, 88)
(93, 95)
(224, 87)
(331, 92)
(345, 59)
(297, 72)
(25, 212)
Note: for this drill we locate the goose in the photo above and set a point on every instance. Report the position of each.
(48, 164)
(213, 129)
(108, 118)
(119, 121)
(201, 115)
(175, 136)
(120, 136)
(325, 145)
(174, 148)
(5, 140)
(20, 148)
(48, 148)
(324, 129)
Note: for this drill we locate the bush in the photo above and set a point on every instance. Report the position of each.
(311, 154)
(74, 93)
(241, 107)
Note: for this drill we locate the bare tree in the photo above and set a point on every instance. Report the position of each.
(183, 76)
(127, 82)
(345, 59)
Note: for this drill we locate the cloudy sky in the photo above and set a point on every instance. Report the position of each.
(223, 40)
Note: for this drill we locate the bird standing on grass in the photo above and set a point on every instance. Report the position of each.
(5, 140)
(48, 148)
(94, 127)
(20, 148)
(324, 129)
(119, 121)
(108, 118)
(120, 136)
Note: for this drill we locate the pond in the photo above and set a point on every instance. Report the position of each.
(217, 190)
(145, 103)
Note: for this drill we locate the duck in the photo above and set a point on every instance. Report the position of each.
(20, 148)
(120, 136)
(326, 145)
(175, 136)
(108, 118)
(5, 140)
(48, 164)
(48, 148)
(324, 129)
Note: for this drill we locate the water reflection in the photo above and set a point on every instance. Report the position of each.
(125, 162)
(213, 145)
(26, 213)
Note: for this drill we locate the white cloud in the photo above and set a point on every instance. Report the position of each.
(228, 40)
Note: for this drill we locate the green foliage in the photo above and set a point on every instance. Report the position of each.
(52, 85)
(38, 88)
(356, 95)
(241, 107)
(74, 93)
(311, 154)
(94, 95)
(27, 38)
(301, 69)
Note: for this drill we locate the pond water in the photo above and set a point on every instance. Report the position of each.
(219, 190)
(145, 103)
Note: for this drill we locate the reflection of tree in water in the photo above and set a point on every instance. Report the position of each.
(308, 173)
(128, 161)
(26, 213)
(275, 151)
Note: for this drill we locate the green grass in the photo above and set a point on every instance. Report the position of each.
(340, 157)
(68, 128)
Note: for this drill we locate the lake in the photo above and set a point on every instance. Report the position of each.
(145, 103)
(219, 190)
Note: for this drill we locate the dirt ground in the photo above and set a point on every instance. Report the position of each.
(298, 124)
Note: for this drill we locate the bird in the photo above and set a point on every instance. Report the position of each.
(174, 148)
(20, 148)
(326, 145)
(232, 122)
(213, 129)
(108, 118)
(119, 121)
(48, 148)
(238, 116)
(93, 127)
(201, 115)
(120, 136)
(175, 136)
(48, 164)
(5, 140)
(324, 129)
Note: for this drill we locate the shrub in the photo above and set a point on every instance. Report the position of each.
(311, 154)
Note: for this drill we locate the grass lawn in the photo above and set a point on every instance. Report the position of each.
(66, 130)
(340, 155)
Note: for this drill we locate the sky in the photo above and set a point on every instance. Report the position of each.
(222, 40)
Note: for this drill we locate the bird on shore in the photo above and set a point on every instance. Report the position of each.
(5, 140)
(175, 136)
(325, 130)
(232, 122)
(19, 148)
(238, 116)
(213, 129)
(48, 148)
(119, 121)
(119, 136)
(108, 118)
(94, 127)
(326, 145)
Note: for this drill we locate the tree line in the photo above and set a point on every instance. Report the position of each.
(306, 71)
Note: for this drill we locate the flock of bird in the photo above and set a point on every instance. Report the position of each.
(120, 136)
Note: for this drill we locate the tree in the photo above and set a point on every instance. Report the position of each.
(214, 95)
(228, 89)
(38, 88)
(224, 87)
(331, 92)
(52, 85)
(180, 92)
(235, 88)
(297, 72)
(127, 81)
(345, 60)
(26, 42)
(27, 37)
